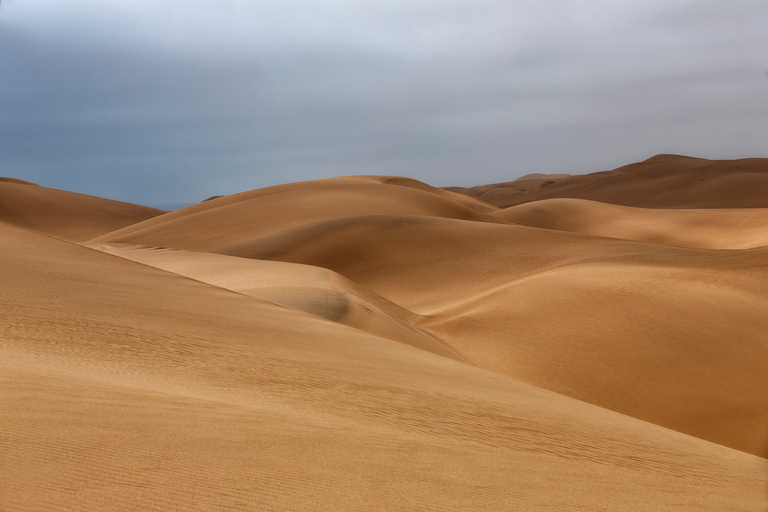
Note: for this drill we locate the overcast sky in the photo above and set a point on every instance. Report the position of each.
(162, 101)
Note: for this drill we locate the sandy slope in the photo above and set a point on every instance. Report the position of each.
(664, 181)
(129, 388)
(374, 343)
(68, 215)
(737, 228)
(664, 334)
(222, 222)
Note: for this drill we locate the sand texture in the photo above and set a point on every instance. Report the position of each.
(374, 343)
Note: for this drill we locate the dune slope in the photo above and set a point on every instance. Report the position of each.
(375, 343)
(227, 220)
(68, 215)
(668, 335)
(129, 388)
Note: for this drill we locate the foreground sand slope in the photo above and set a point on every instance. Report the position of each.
(670, 335)
(67, 215)
(738, 228)
(227, 220)
(663, 181)
(128, 388)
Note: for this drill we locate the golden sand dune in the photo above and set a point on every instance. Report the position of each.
(129, 388)
(220, 222)
(737, 228)
(664, 181)
(589, 317)
(68, 215)
(374, 343)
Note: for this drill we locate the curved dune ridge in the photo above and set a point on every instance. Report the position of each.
(375, 343)
(68, 215)
(663, 181)
(219, 222)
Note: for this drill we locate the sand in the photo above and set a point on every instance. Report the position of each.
(67, 215)
(374, 343)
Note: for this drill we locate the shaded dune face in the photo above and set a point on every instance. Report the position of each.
(664, 181)
(375, 343)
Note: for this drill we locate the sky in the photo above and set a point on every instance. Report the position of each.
(173, 101)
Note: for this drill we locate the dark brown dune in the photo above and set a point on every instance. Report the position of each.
(68, 215)
(664, 181)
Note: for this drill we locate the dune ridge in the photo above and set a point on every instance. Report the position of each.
(218, 223)
(375, 343)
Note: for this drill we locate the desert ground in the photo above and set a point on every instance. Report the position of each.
(555, 343)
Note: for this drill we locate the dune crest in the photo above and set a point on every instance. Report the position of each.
(18, 181)
(216, 224)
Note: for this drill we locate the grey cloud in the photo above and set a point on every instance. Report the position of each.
(158, 103)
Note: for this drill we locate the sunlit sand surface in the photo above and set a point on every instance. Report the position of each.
(374, 343)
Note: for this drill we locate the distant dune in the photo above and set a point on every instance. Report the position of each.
(375, 343)
(664, 181)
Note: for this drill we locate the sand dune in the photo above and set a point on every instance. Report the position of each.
(664, 181)
(18, 181)
(128, 388)
(68, 215)
(588, 317)
(218, 223)
(738, 228)
(374, 343)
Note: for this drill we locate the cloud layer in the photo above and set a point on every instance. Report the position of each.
(174, 101)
